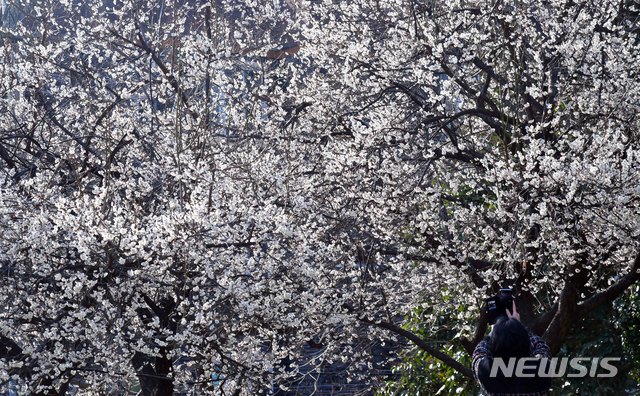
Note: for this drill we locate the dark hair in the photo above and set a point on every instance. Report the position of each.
(509, 338)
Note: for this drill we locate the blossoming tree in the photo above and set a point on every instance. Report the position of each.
(202, 188)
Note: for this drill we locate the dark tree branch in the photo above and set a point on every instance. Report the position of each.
(563, 319)
(4, 154)
(8, 348)
(480, 64)
(173, 81)
(122, 143)
(42, 100)
(541, 322)
(424, 345)
(613, 292)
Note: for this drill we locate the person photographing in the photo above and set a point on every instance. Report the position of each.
(509, 339)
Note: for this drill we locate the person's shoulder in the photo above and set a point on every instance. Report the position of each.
(535, 337)
(482, 349)
(481, 357)
(539, 347)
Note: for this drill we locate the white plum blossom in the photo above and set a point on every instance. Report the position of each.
(194, 194)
